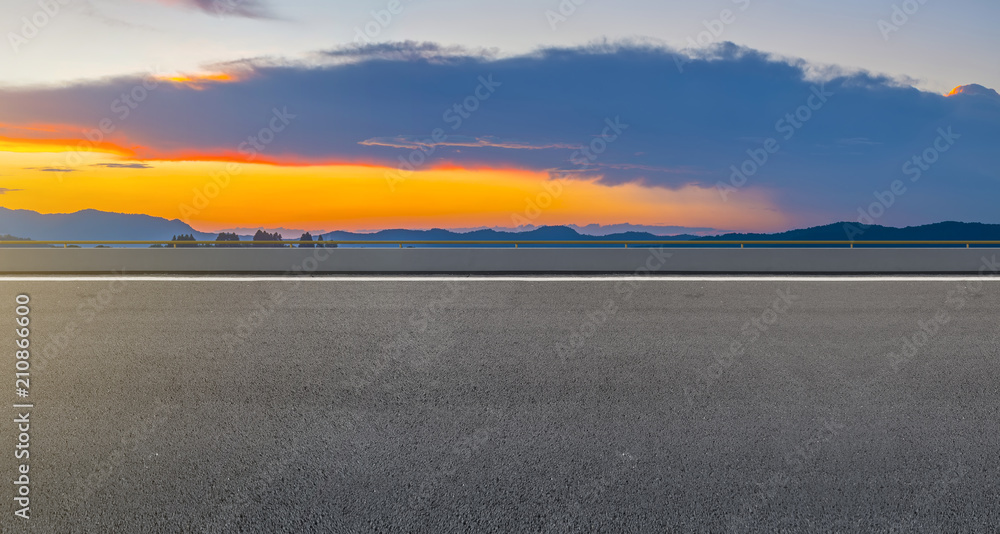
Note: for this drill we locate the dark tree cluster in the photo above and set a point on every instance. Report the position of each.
(178, 239)
(226, 239)
(261, 239)
(266, 236)
(306, 237)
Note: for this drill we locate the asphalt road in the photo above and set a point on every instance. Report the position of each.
(571, 406)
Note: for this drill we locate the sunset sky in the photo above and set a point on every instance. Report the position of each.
(745, 115)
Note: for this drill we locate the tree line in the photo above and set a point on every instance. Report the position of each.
(260, 239)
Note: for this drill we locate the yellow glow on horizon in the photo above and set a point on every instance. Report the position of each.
(212, 196)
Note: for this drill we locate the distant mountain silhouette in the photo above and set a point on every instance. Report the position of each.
(286, 233)
(606, 229)
(844, 231)
(105, 226)
(93, 225)
(545, 233)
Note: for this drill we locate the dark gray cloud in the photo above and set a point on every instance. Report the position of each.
(4, 190)
(409, 51)
(645, 114)
(255, 9)
(413, 142)
(50, 169)
(123, 165)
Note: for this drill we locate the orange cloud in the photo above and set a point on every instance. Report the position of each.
(229, 156)
(200, 81)
(40, 138)
(12, 144)
(973, 89)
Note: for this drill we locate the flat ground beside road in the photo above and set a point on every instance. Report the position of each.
(284, 406)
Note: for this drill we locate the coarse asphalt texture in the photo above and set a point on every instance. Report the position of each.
(478, 405)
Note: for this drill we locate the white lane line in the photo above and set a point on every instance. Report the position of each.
(505, 278)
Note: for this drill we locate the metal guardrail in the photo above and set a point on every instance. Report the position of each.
(516, 244)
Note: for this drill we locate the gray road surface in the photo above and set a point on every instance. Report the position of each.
(472, 406)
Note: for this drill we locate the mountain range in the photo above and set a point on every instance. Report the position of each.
(93, 225)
